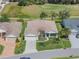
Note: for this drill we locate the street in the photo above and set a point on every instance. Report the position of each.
(48, 54)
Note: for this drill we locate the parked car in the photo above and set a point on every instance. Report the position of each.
(25, 58)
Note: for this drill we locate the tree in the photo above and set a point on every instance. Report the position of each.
(64, 32)
(40, 1)
(64, 14)
(23, 2)
(4, 18)
(43, 15)
(53, 16)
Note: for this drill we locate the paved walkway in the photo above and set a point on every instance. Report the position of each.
(9, 47)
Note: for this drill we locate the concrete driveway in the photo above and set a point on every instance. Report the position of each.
(30, 44)
(74, 41)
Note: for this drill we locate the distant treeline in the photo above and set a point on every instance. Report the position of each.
(64, 1)
(50, 1)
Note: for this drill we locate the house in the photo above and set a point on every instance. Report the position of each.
(33, 31)
(10, 30)
(73, 25)
(36, 26)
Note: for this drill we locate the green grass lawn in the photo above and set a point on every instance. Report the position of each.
(33, 11)
(66, 58)
(53, 44)
(20, 47)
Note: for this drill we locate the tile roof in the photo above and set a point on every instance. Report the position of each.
(11, 28)
(72, 23)
(34, 26)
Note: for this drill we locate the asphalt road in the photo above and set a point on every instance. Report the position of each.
(48, 54)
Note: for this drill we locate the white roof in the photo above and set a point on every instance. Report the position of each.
(10, 35)
(31, 35)
(74, 30)
(51, 32)
(1, 30)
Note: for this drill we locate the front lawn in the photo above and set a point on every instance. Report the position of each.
(53, 44)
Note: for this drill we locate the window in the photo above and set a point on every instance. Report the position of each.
(52, 34)
(47, 34)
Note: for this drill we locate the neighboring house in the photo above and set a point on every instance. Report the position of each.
(73, 25)
(34, 29)
(10, 30)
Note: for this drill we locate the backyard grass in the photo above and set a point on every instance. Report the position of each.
(33, 11)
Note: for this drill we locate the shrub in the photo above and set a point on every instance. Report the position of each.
(20, 47)
(22, 2)
(4, 18)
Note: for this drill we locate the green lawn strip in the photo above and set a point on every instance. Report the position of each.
(67, 57)
(62, 58)
(20, 47)
(58, 26)
(1, 49)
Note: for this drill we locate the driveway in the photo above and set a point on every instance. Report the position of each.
(74, 41)
(9, 47)
(30, 44)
